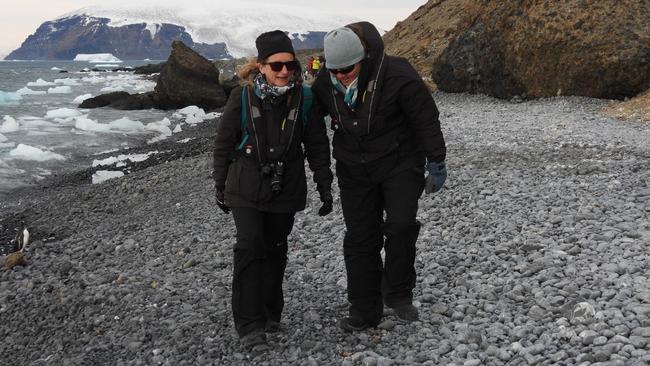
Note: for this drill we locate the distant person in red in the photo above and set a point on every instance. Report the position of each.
(310, 62)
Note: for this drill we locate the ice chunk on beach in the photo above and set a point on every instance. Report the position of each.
(120, 159)
(160, 126)
(8, 98)
(26, 152)
(9, 125)
(95, 58)
(87, 124)
(177, 129)
(28, 91)
(104, 175)
(191, 114)
(60, 90)
(62, 113)
(126, 124)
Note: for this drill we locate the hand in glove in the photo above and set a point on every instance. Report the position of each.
(221, 201)
(436, 177)
(326, 198)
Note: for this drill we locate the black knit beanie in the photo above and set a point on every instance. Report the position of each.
(273, 42)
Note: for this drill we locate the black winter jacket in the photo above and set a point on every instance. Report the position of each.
(239, 167)
(395, 119)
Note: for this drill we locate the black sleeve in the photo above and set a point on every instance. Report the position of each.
(229, 135)
(317, 148)
(417, 103)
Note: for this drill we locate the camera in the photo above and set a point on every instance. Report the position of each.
(276, 171)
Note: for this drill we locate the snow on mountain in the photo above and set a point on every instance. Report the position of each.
(235, 23)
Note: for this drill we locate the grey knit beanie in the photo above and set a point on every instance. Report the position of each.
(342, 48)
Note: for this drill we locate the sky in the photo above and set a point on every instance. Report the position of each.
(20, 18)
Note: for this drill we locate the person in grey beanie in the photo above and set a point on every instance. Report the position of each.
(388, 147)
(259, 172)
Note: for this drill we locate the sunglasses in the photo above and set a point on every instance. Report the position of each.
(278, 65)
(343, 70)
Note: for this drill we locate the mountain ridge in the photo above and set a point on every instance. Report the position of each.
(137, 31)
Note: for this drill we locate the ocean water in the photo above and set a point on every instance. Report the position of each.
(46, 132)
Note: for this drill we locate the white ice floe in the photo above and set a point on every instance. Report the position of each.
(111, 89)
(60, 90)
(3, 138)
(104, 175)
(162, 127)
(191, 114)
(121, 159)
(27, 152)
(9, 125)
(9, 98)
(67, 81)
(87, 124)
(126, 124)
(40, 82)
(62, 113)
(81, 98)
(107, 65)
(95, 58)
(93, 79)
(28, 91)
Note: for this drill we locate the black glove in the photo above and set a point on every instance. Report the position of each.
(221, 201)
(437, 174)
(326, 198)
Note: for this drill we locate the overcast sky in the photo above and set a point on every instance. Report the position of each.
(20, 18)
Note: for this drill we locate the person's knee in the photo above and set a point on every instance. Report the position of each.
(401, 227)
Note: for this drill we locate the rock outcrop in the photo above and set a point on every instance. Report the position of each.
(529, 48)
(547, 48)
(186, 78)
(426, 33)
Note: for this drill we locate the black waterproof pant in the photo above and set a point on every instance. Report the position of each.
(260, 258)
(365, 198)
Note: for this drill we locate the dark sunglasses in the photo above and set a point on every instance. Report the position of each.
(343, 70)
(278, 65)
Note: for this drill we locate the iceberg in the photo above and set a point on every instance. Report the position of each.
(96, 58)
(28, 91)
(26, 152)
(60, 90)
(8, 98)
(9, 125)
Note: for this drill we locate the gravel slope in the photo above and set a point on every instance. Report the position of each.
(536, 252)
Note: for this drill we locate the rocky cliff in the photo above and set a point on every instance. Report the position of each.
(530, 48)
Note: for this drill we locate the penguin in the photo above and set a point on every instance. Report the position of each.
(21, 240)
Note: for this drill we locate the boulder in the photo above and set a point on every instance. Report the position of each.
(547, 48)
(149, 69)
(188, 79)
(103, 100)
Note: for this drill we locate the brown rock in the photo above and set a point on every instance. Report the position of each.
(426, 33)
(547, 48)
(635, 109)
(14, 259)
(188, 79)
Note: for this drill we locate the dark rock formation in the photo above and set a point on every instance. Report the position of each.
(547, 48)
(64, 38)
(149, 69)
(185, 79)
(188, 79)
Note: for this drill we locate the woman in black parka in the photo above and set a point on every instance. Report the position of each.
(259, 174)
(386, 135)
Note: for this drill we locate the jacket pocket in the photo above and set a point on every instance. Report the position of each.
(245, 180)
